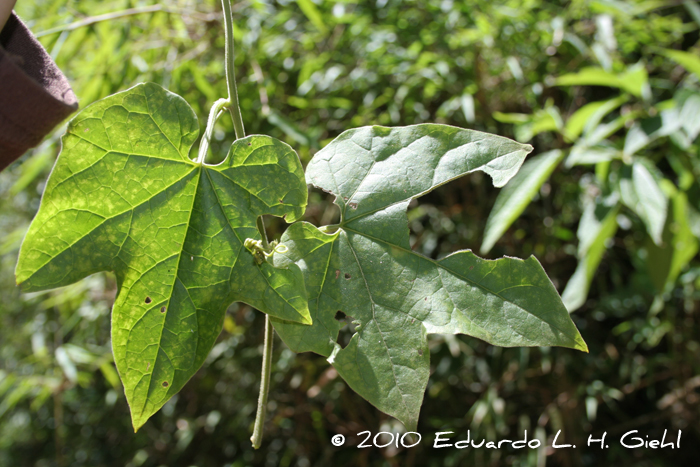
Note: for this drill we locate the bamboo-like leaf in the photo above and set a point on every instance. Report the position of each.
(634, 80)
(598, 224)
(688, 103)
(649, 129)
(677, 248)
(590, 115)
(584, 155)
(527, 126)
(687, 60)
(312, 13)
(642, 194)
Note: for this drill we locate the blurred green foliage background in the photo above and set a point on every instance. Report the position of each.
(608, 89)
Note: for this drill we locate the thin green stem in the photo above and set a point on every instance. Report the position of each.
(214, 114)
(235, 108)
(256, 439)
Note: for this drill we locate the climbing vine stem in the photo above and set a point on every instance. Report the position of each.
(234, 108)
(256, 439)
(264, 385)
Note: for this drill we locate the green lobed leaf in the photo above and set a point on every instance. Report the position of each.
(364, 267)
(125, 197)
(517, 194)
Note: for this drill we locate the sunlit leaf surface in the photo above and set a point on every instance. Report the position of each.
(124, 196)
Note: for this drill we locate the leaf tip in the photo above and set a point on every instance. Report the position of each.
(486, 246)
(22, 281)
(306, 319)
(139, 419)
(582, 346)
(296, 215)
(20, 274)
(137, 423)
(410, 424)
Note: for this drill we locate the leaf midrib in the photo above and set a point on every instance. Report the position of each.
(170, 296)
(411, 197)
(104, 219)
(320, 289)
(374, 318)
(466, 279)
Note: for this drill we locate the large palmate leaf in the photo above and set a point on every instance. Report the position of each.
(125, 197)
(364, 267)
